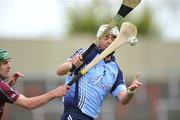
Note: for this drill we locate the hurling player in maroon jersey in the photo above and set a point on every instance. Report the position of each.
(8, 95)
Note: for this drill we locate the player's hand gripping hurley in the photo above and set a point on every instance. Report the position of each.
(127, 34)
(126, 7)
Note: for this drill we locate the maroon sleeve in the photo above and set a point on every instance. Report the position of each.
(8, 93)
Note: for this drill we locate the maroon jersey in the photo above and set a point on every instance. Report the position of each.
(7, 94)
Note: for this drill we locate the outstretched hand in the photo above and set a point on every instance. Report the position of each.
(135, 83)
(14, 78)
(61, 90)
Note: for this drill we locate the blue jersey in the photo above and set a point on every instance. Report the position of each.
(90, 90)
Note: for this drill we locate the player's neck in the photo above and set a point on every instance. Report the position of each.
(1, 78)
(108, 58)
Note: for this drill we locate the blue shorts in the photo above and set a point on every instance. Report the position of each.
(74, 114)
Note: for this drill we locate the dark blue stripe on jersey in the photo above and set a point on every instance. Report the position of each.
(76, 93)
(88, 59)
(119, 80)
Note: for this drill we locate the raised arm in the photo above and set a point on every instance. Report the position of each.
(126, 96)
(64, 68)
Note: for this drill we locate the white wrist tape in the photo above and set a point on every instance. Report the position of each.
(70, 65)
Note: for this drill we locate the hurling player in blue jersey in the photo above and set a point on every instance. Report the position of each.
(84, 99)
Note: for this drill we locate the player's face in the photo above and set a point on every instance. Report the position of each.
(5, 67)
(106, 41)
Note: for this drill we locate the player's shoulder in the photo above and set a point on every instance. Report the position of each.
(115, 65)
(80, 51)
(3, 84)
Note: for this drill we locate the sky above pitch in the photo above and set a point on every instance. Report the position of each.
(36, 18)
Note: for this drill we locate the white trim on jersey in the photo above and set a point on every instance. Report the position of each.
(83, 94)
(69, 117)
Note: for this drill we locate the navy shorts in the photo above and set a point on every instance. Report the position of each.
(74, 114)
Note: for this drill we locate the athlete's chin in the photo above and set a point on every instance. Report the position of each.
(103, 48)
(106, 47)
(5, 77)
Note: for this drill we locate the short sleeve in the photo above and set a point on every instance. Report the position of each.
(119, 84)
(78, 52)
(7, 93)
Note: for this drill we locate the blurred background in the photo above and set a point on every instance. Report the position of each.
(41, 34)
